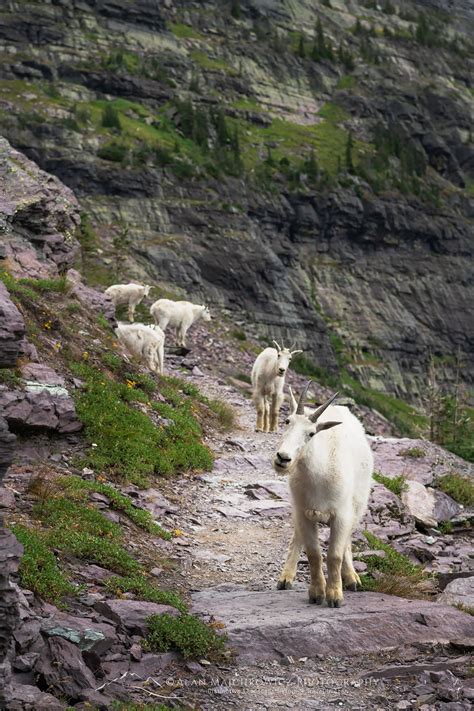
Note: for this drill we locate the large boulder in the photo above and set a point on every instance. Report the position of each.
(62, 669)
(39, 217)
(131, 615)
(459, 591)
(40, 407)
(428, 506)
(82, 631)
(274, 624)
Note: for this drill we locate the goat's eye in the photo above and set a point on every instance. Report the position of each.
(287, 421)
(311, 434)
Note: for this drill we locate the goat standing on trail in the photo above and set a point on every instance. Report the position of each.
(268, 379)
(330, 479)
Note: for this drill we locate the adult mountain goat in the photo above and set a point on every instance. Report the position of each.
(268, 379)
(330, 465)
(145, 342)
(129, 294)
(178, 314)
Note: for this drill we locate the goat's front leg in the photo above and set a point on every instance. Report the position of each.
(274, 411)
(131, 312)
(266, 415)
(338, 541)
(288, 573)
(309, 534)
(349, 576)
(260, 405)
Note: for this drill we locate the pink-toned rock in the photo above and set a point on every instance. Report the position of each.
(12, 329)
(40, 217)
(272, 624)
(131, 615)
(389, 459)
(43, 408)
(41, 373)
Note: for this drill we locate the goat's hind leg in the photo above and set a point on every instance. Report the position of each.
(349, 576)
(288, 573)
(260, 405)
(266, 415)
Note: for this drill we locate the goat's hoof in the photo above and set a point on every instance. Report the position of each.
(352, 587)
(316, 600)
(284, 585)
(334, 603)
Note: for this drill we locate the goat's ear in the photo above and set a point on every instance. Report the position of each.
(295, 352)
(293, 403)
(326, 425)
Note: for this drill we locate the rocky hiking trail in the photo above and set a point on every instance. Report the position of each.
(232, 526)
(236, 525)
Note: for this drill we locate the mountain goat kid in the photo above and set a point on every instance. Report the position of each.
(330, 465)
(179, 315)
(145, 342)
(130, 294)
(268, 379)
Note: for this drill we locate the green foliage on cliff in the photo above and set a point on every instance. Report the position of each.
(461, 489)
(396, 484)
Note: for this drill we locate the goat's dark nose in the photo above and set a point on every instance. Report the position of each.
(282, 370)
(283, 458)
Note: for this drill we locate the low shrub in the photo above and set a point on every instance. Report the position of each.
(396, 484)
(458, 488)
(143, 589)
(185, 634)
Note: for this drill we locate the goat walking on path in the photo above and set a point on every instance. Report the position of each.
(268, 379)
(330, 464)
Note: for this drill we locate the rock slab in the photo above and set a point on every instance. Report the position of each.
(273, 624)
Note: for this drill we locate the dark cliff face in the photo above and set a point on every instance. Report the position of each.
(364, 257)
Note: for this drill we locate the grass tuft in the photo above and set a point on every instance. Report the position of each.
(226, 415)
(458, 488)
(414, 452)
(397, 485)
(394, 574)
(185, 634)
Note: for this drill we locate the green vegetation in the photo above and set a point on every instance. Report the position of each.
(184, 31)
(30, 288)
(140, 586)
(305, 366)
(396, 574)
(413, 452)
(459, 488)
(111, 117)
(346, 82)
(85, 533)
(127, 442)
(39, 570)
(185, 634)
(464, 608)
(79, 489)
(10, 377)
(113, 152)
(397, 485)
(211, 63)
(132, 706)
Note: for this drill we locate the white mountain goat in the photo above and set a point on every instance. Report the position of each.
(130, 294)
(145, 342)
(330, 479)
(268, 379)
(179, 315)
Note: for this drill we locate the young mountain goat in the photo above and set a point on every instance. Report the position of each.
(268, 379)
(330, 479)
(145, 342)
(178, 314)
(130, 294)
